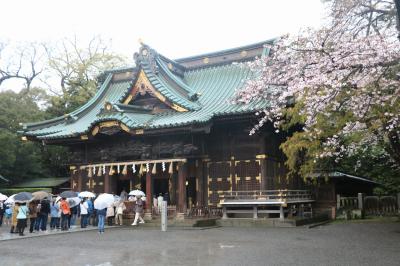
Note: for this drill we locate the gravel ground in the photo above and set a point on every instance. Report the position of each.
(333, 244)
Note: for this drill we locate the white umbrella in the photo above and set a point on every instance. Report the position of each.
(136, 192)
(117, 198)
(58, 199)
(86, 194)
(73, 201)
(10, 199)
(3, 197)
(103, 201)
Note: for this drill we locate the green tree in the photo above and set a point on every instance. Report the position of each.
(18, 159)
(77, 69)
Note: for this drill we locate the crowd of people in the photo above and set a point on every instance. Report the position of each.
(63, 216)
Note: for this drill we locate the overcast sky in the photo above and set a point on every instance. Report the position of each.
(174, 28)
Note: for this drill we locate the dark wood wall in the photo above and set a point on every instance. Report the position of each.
(225, 158)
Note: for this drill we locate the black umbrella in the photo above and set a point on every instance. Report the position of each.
(68, 194)
(23, 197)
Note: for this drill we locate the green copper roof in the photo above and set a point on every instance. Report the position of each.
(204, 91)
(43, 182)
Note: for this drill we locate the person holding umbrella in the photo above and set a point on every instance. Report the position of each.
(43, 215)
(21, 218)
(33, 209)
(101, 204)
(84, 212)
(138, 210)
(13, 228)
(65, 213)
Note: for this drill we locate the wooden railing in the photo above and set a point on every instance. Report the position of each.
(207, 212)
(267, 195)
(369, 205)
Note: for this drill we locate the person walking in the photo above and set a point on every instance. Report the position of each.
(101, 216)
(32, 215)
(84, 213)
(121, 207)
(55, 215)
(138, 211)
(65, 214)
(21, 218)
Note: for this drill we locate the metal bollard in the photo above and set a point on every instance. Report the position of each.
(164, 216)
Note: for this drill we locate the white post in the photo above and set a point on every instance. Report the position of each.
(164, 216)
(281, 213)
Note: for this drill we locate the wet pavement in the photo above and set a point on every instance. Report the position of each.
(5, 232)
(333, 244)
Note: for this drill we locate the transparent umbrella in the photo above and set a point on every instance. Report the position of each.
(103, 201)
(137, 192)
(68, 194)
(39, 195)
(86, 194)
(3, 197)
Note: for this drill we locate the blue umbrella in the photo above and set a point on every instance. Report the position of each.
(23, 197)
(68, 194)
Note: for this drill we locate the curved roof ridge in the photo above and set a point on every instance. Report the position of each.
(226, 51)
(164, 80)
(75, 112)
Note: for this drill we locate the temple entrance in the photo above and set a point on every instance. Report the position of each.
(160, 186)
(122, 185)
(191, 192)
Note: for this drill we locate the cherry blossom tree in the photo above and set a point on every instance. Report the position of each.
(341, 83)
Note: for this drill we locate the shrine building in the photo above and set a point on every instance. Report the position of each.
(168, 126)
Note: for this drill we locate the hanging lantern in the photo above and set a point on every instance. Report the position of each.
(154, 171)
(141, 169)
(90, 173)
(163, 166)
(133, 168)
(118, 169)
(111, 172)
(171, 170)
(125, 170)
(104, 169)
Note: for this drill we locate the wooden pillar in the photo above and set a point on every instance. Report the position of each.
(149, 196)
(79, 180)
(263, 164)
(199, 183)
(182, 175)
(107, 182)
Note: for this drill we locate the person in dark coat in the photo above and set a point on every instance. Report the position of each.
(2, 211)
(33, 212)
(43, 215)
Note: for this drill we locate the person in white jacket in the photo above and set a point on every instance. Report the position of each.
(110, 214)
(120, 208)
(84, 213)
